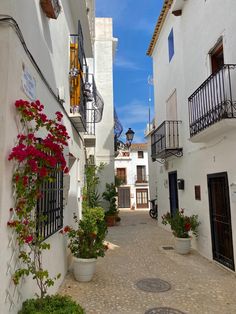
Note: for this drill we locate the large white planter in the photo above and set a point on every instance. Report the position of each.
(182, 245)
(84, 268)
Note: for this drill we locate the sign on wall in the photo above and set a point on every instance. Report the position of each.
(28, 84)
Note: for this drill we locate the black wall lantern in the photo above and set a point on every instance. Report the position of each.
(129, 136)
(180, 183)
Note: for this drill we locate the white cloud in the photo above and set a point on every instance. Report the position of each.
(122, 62)
(134, 112)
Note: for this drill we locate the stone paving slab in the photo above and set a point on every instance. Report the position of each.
(197, 285)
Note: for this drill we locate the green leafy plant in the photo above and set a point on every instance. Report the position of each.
(91, 197)
(56, 304)
(36, 161)
(110, 196)
(182, 225)
(87, 240)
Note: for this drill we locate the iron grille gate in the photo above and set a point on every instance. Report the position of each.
(49, 210)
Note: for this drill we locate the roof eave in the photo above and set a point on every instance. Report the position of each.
(165, 9)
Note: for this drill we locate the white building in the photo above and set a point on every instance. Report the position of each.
(56, 53)
(131, 166)
(105, 48)
(194, 55)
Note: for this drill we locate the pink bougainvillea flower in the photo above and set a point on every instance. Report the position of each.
(29, 239)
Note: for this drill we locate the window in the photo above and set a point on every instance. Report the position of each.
(49, 208)
(171, 44)
(141, 174)
(121, 174)
(140, 154)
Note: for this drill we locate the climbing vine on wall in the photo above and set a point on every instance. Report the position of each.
(37, 154)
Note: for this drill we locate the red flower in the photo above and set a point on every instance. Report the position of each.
(59, 116)
(25, 180)
(66, 170)
(187, 226)
(67, 229)
(28, 239)
(43, 172)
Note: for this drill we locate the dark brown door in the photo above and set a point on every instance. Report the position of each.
(220, 217)
(173, 193)
(142, 198)
(124, 197)
(217, 58)
(141, 173)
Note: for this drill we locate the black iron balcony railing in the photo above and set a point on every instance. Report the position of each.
(165, 141)
(90, 121)
(141, 179)
(214, 100)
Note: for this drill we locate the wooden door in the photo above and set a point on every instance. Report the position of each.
(220, 218)
(142, 198)
(217, 58)
(173, 193)
(124, 197)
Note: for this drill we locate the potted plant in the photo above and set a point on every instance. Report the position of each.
(86, 242)
(182, 226)
(111, 215)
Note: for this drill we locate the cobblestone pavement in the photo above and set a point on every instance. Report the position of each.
(197, 285)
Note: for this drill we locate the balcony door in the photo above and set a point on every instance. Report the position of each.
(141, 173)
(220, 217)
(217, 58)
(121, 174)
(173, 193)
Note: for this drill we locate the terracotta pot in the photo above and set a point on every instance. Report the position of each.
(110, 220)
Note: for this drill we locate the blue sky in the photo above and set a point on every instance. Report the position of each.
(133, 25)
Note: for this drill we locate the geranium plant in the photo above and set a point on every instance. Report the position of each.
(36, 156)
(181, 225)
(87, 239)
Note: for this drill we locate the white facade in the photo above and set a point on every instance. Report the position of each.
(136, 181)
(197, 30)
(48, 41)
(105, 45)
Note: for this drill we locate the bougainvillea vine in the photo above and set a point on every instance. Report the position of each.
(37, 155)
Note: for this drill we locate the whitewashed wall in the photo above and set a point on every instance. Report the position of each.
(48, 41)
(104, 43)
(195, 33)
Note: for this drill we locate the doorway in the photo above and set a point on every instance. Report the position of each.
(217, 58)
(124, 197)
(173, 193)
(220, 218)
(142, 198)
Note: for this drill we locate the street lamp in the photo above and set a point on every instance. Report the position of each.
(129, 137)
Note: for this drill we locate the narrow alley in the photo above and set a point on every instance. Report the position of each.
(136, 252)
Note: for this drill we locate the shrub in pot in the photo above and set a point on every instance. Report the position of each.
(86, 242)
(110, 196)
(182, 227)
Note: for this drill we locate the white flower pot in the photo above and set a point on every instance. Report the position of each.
(84, 268)
(182, 245)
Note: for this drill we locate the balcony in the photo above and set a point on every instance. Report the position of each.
(141, 180)
(94, 110)
(165, 141)
(77, 88)
(212, 107)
